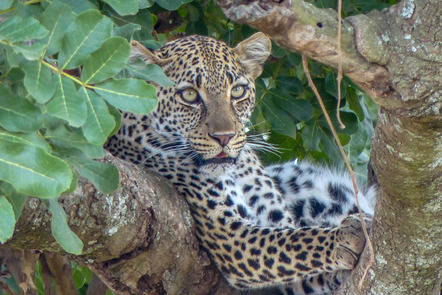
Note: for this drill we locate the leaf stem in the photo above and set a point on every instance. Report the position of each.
(61, 72)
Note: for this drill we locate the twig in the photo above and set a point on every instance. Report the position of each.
(5, 287)
(339, 77)
(347, 163)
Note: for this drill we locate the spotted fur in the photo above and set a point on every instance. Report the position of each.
(286, 225)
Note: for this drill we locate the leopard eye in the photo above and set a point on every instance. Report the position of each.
(189, 95)
(238, 91)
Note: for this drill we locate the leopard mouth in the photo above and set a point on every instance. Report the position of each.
(221, 158)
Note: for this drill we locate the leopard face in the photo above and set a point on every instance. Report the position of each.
(212, 97)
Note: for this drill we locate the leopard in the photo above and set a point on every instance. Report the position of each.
(291, 227)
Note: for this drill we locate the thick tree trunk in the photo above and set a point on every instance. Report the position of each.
(138, 240)
(395, 56)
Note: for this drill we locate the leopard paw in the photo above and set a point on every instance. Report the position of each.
(350, 240)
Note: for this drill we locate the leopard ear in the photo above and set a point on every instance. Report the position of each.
(139, 51)
(253, 52)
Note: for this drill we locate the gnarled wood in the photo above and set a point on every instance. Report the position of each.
(138, 240)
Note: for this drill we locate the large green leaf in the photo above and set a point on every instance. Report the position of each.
(131, 95)
(29, 138)
(31, 170)
(126, 31)
(32, 52)
(67, 239)
(105, 177)
(289, 85)
(16, 29)
(144, 19)
(300, 109)
(7, 220)
(17, 114)
(148, 72)
(83, 36)
(280, 119)
(99, 122)
(67, 103)
(69, 138)
(123, 7)
(38, 81)
(56, 18)
(107, 61)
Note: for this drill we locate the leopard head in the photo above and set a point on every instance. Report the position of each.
(213, 93)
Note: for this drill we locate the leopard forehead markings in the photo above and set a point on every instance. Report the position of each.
(286, 225)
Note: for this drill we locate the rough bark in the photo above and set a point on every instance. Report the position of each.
(395, 56)
(138, 240)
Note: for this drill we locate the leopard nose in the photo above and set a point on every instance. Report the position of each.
(222, 138)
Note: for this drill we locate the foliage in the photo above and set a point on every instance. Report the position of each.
(65, 73)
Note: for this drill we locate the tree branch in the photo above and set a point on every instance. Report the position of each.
(138, 239)
(301, 27)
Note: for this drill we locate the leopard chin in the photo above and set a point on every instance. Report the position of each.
(215, 169)
(216, 166)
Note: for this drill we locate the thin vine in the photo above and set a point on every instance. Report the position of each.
(347, 163)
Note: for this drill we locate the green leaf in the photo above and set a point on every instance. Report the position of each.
(67, 103)
(67, 239)
(148, 72)
(5, 4)
(83, 36)
(131, 95)
(349, 119)
(117, 117)
(79, 6)
(123, 7)
(38, 81)
(73, 139)
(17, 114)
(16, 29)
(169, 4)
(33, 52)
(142, 23)
(107, 61)
(7, 220)
(281, 121)
(300, 109)
(29, 138)
(289, 85)
(14, 59)
(99, 122)
(330, 147)
(105, 177)
(331, 85)
(311, 136)
(31, 170)
(17, 202)
(127, 31)
(145, 3)
(78, 277)
(56, 18)
(355, 102)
